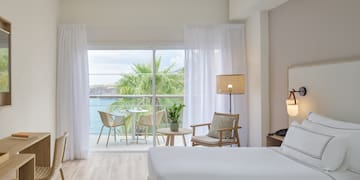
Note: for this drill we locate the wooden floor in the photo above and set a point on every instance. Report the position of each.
(106, 166)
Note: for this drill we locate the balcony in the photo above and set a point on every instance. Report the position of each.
(121, 83)
(123, 105)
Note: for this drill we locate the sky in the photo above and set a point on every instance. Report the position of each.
(106, 66)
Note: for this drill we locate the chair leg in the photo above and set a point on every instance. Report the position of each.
(107, 142)
(146, 131)
(184, 140)
(167, 140)
(62, 174)
(114, 134)
(137, 138)
(102, 127)
(126, 135)
(163, 138)
(157, 138)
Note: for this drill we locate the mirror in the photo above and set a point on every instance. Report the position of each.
(5, 63)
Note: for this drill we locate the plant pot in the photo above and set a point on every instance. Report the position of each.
(174, 127)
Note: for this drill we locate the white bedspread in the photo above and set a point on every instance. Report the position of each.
(177, 163)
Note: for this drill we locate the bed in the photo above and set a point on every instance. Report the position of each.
(179, 163)
(319, 148)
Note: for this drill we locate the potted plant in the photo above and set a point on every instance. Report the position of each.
(173, 115)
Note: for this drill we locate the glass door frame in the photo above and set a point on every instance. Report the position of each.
(150, 47)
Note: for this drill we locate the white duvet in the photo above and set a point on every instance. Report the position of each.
(177, 163)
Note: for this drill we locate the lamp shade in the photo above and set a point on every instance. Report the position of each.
(232, 83)
(292, 108)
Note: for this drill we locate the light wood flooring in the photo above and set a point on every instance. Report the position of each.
(108, 165)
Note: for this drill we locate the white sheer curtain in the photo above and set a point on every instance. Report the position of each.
(72, 91)
(211, 50)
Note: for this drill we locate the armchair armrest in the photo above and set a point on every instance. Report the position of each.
(225, 129)
(199, 125)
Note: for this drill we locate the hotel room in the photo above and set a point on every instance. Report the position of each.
(179, 89)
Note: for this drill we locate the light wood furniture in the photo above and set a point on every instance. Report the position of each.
(22, 153)
(46, 173)
(4, 157)
(211, 141)
(111, 121)
(37, 143)
(146, 123)
(171, 135)
(274, 140)
(23, 164)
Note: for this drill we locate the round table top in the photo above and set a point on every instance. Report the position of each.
(137, 110)
(181, 131)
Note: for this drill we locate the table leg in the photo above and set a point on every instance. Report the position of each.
(184, 140)
(27, 171)
(133, 125)
(167, 140)
(172, 139)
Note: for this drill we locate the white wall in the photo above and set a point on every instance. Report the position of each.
(141, 21)
(243, 9)
(308, 31)
(258, 63)
(255, 12)
(33, 66)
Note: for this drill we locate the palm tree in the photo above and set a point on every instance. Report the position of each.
(169, 81)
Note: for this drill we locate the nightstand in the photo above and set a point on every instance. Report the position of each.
(274, 140)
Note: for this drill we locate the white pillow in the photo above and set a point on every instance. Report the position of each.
(336, 154)
(317, 149)
(352, 129)
(332, 123)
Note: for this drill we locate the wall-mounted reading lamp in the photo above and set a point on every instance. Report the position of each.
(292, 103)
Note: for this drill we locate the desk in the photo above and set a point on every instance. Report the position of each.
(23, 164)
(274, 140)
(38, 145)
(171, 135)
(133, 123)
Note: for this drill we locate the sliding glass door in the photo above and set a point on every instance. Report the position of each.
(136, 85)
(169, 78)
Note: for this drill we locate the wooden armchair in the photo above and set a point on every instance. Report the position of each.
(222, 131)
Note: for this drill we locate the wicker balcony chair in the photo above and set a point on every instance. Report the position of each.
(111, 121)
(145, 123)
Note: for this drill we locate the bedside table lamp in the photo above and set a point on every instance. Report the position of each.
(230, 84)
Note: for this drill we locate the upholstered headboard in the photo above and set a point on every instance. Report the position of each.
(333, 89)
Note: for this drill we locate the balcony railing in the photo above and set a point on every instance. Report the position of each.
(137, 96)
(108, 102)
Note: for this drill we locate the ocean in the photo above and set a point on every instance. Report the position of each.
(98, 104)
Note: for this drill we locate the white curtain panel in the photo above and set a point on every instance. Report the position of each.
(212, 50)
(72, 91)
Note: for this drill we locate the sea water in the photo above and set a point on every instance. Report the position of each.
(95, 105)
